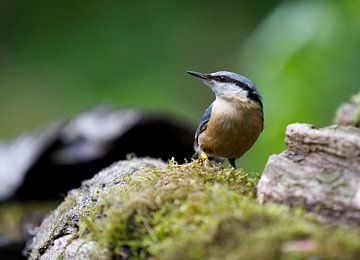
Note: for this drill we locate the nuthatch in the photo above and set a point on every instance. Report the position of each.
(233, 122)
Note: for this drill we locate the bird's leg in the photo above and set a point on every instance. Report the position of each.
(232, 162)
(204, 158)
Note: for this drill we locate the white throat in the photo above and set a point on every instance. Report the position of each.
(223, 106)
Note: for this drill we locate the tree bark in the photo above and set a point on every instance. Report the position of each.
(320, 170)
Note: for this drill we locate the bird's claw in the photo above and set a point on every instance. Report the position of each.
(204, 159)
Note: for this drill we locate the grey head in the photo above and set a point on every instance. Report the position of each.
(226, 84)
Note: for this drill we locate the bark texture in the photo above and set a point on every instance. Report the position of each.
(320, 170)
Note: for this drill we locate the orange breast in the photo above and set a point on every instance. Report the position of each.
(231, 132)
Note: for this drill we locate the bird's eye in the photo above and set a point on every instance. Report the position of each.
(222, 78)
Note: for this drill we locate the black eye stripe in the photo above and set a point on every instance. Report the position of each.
(252, 93)
(223, 79)
(226, 79)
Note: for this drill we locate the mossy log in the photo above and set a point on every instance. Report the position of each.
(145, 209)
(320, 170)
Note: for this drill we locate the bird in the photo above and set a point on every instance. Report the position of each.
(233, 122)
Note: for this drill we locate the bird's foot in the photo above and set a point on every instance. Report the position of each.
(203, 156)
(204, 159)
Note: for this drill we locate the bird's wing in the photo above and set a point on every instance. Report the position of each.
(203, 124)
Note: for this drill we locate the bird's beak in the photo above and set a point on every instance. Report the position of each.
(198, 75)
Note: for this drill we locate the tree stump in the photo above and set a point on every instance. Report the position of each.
(320, 171)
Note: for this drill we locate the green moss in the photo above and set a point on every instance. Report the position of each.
(192, 212)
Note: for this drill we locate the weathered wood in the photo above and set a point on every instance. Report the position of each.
(68, 152)
(320, 170)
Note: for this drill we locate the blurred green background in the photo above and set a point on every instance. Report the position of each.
(61, 57)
